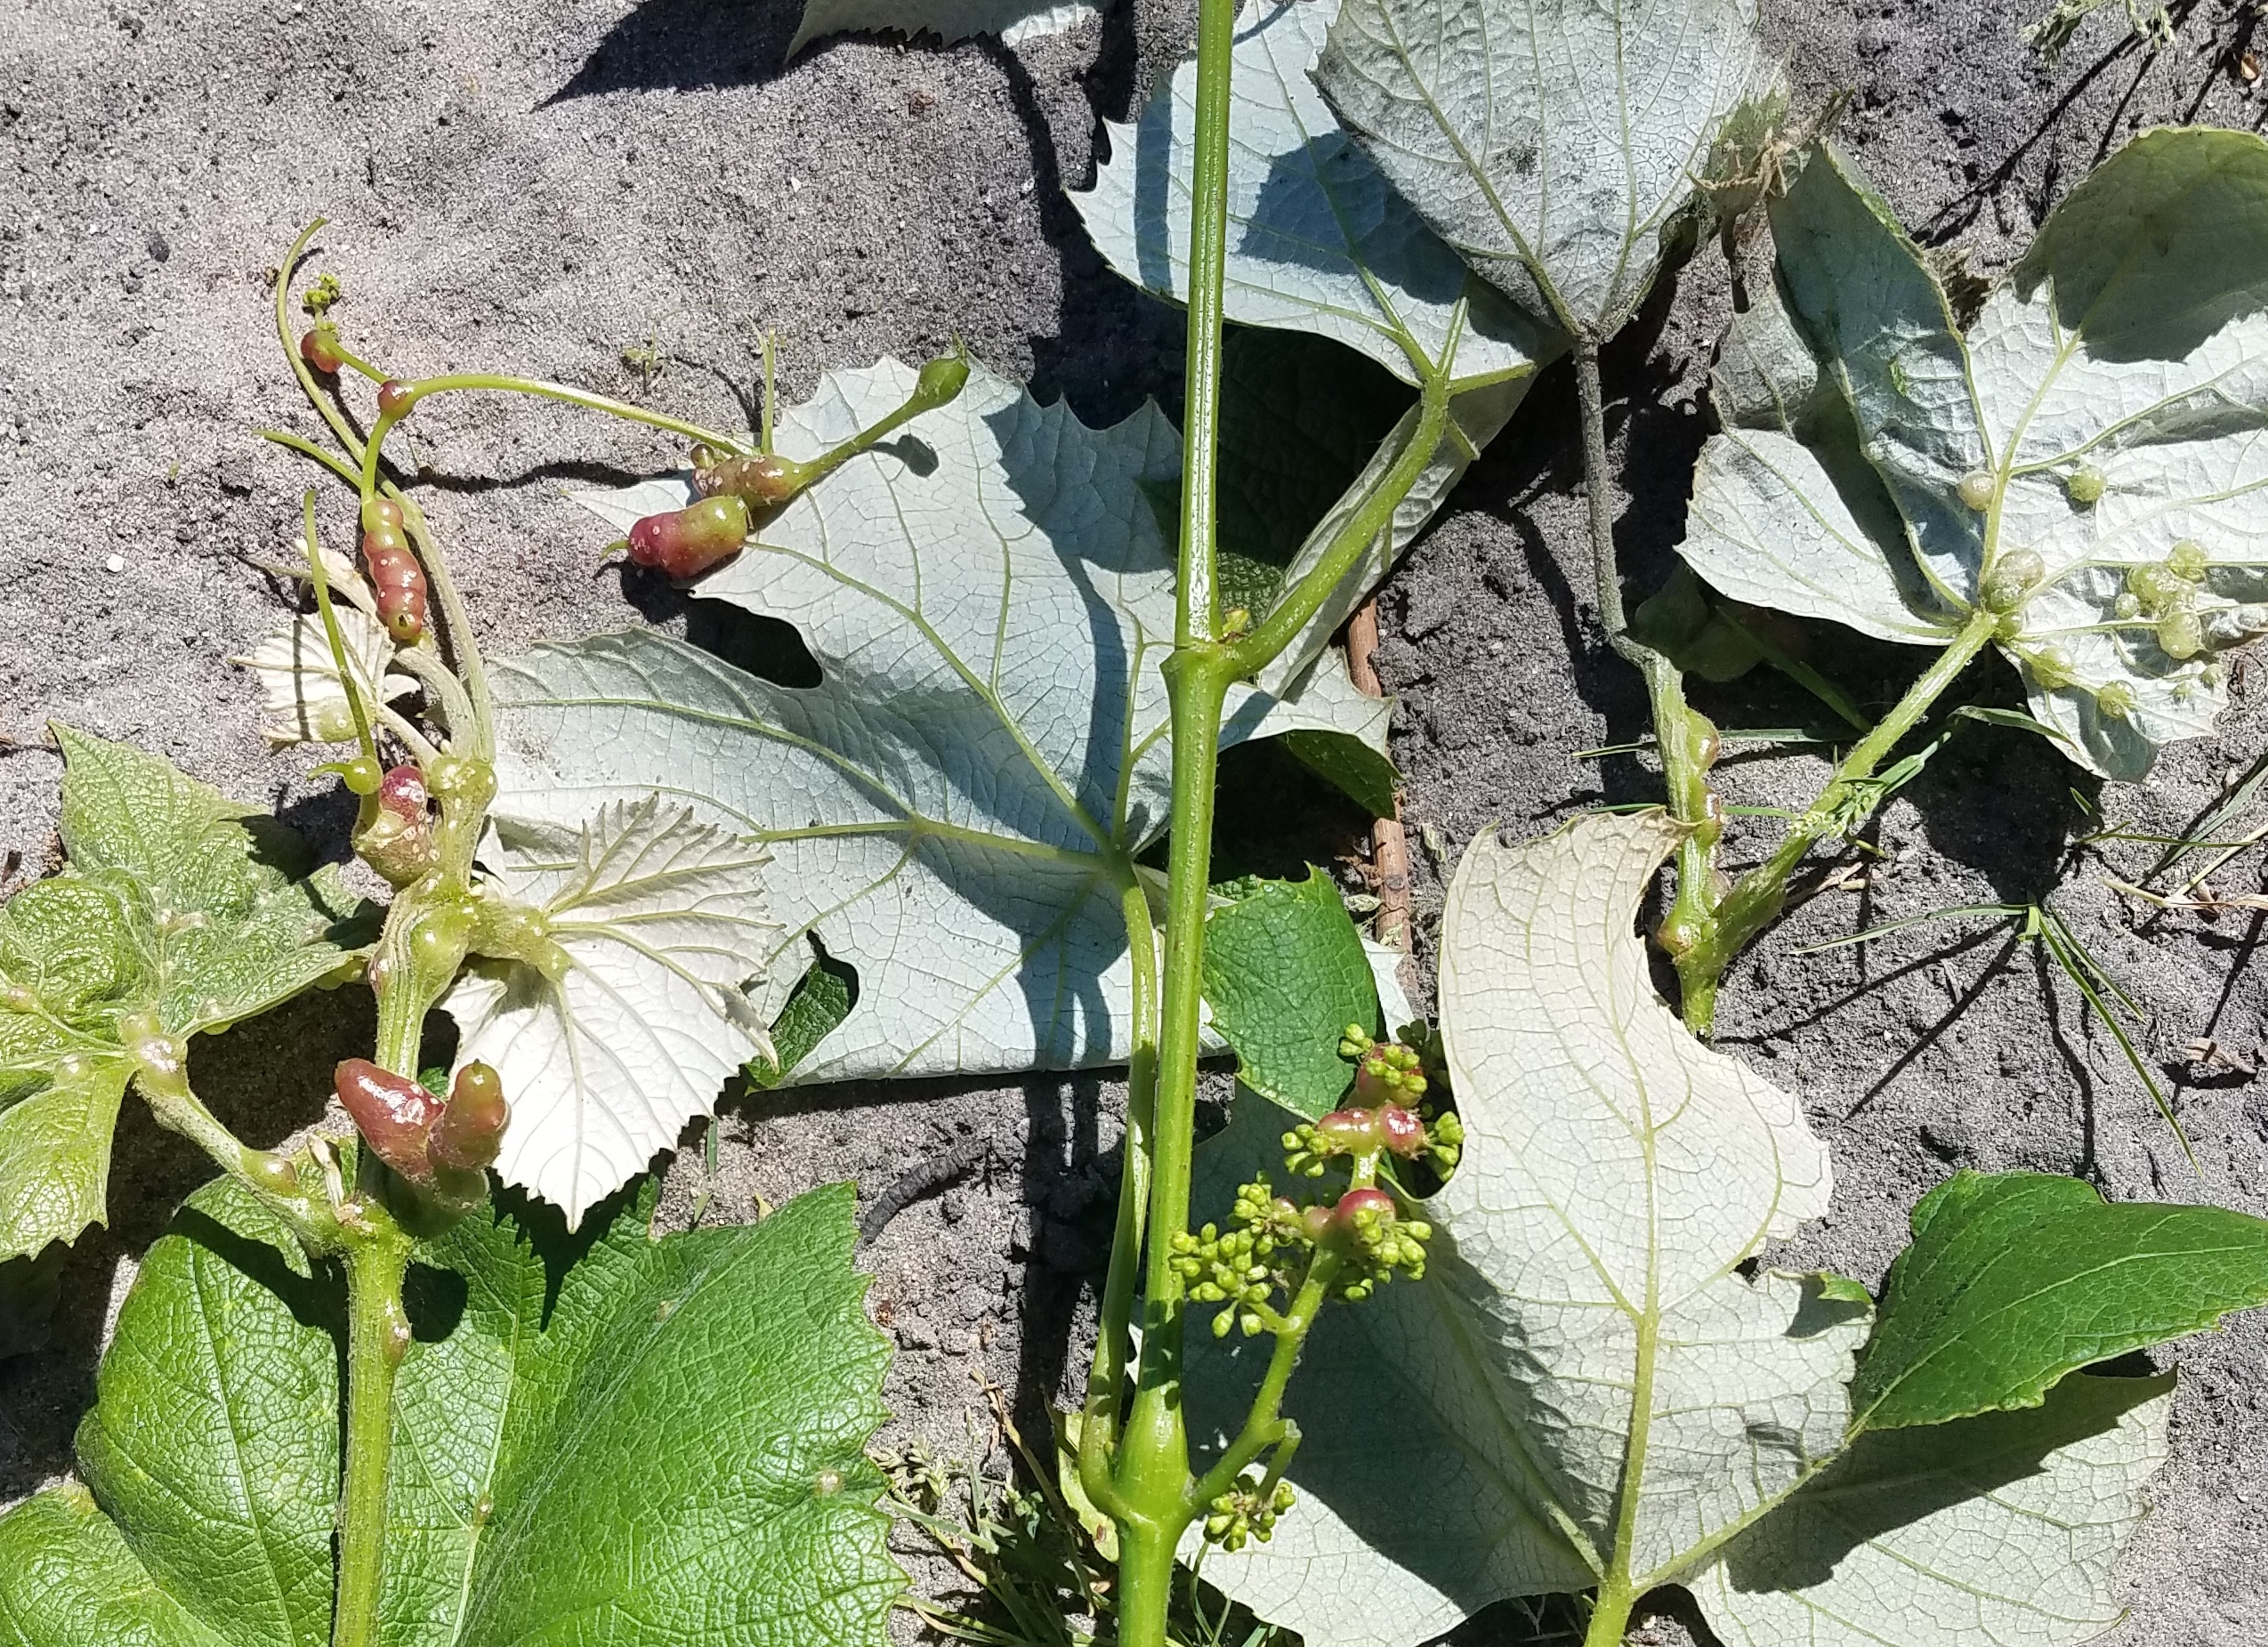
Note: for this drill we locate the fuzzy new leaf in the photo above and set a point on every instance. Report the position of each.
(956, 808)
(177, 903)
(663, 923)
(1551, 143)
(301, 676)
(2103, 413)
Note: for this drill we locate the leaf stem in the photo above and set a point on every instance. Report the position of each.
(377, 1334)
(1759, 894)
(497, 382)
(1682, 735)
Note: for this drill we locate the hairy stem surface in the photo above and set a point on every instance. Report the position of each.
(377, 1333)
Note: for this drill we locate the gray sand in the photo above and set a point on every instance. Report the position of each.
(535, 186)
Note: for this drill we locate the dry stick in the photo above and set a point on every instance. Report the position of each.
(1389, 842)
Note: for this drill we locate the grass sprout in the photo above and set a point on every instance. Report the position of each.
(2105, 997)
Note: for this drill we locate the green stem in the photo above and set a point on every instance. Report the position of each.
(1372, 517)
(339, 657)
(1759, 894)
(1265, 1426)
(1679, 732)
(1146, 1580)
(1106, 1382)
(495, 383)
(1199, 614)
(1609, 1615)
(377, 1333)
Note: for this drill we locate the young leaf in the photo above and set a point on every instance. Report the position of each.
(1998, 1530)
(302, 678)
(2087, 456)
(957, 807)
(1550, 141)
(949, 21)
(1615, 1173)
(1285, 974)
(2016, 1279)
(671, 1452)
(662, 921)
(177, 902)
(1320, 243)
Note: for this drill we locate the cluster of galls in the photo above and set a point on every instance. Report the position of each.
(1388, 1115)
(1243, 1513)
(1271, 1240)
(442, 1146)
(735, 489)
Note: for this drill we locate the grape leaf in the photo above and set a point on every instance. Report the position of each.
(1318, 239)
(957, 807)
(301, 677)
(663, 921)
(178, 903)
(2015, 1278)
(1550, 142)
(1285, 974)
(949, 21)
(2105, 407)
(1320, 242)
(1615, 1172)
(1587, 1265)
(672, 1452)
(2001, 1530)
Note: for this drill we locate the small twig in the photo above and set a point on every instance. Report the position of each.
(925, 1178)
(1389, 840)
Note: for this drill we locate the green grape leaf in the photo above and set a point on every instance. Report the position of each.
(662, 921)
(957, 808)
(2000, 1530)
(821, 999)
(1319, 243)
(1551, 143)
(1615, 1173)
(2103, 414)
(1285, 974)
(662, 1441)
(177, 902)
(2015, 1278)
(949, 21)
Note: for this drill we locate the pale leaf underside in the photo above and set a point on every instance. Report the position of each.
(2127, 355)
(954, 809)
(1550, 141)
(663, 919)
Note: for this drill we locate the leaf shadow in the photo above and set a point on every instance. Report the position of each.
(687, 45)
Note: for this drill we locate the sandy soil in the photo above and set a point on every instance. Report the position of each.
(540, 186)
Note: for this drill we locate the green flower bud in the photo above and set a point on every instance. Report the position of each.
(941, 382)
(2051, 666)
(2085, 484)
(2187, 560)
(2115, 699)
(1978, 488)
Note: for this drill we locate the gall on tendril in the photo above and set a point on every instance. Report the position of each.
(396, 578)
